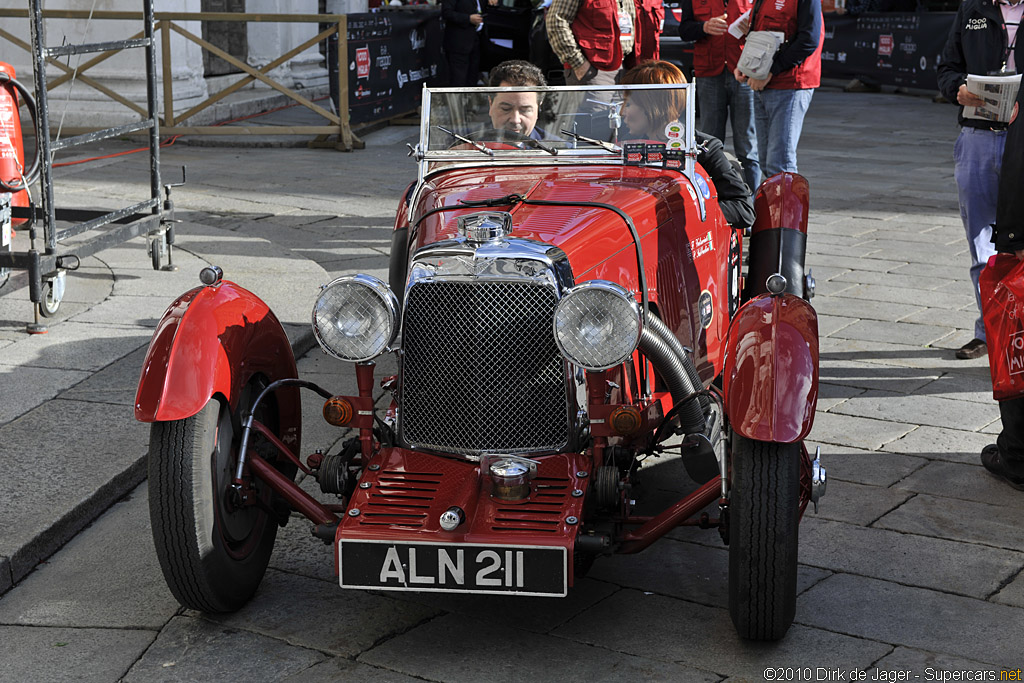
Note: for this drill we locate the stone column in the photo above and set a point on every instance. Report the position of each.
(269, 40)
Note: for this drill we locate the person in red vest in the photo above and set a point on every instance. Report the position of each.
(595, 39)
(781, 100)
(722, 97)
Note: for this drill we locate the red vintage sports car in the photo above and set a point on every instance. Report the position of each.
(564, 302)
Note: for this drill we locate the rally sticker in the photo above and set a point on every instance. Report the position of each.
(706, 309)
(655, 153)
(674, 130)
(702, 185)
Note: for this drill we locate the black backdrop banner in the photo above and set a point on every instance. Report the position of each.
(891, 48)
(391, 55)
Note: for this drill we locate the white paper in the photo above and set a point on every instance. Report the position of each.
(734, 27)
(999, 93)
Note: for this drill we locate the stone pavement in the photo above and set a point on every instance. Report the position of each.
(913, 562)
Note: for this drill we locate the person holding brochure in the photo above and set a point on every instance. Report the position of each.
(1005, 458)
(783, 93)
(982, 41)
(715, 53)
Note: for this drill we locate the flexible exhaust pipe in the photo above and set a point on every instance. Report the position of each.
(673, 365)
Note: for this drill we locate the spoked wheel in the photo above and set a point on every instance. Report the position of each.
(764, 514)
(53, 294)
(213, 553)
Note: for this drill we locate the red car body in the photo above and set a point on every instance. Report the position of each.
(421, 516)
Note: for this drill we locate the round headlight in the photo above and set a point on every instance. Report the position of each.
(597, 325)
(355, 318)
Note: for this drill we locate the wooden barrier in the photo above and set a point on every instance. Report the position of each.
(171, 124)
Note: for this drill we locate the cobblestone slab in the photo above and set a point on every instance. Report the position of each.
(37, 513)
(192, 649)
(338, 669)
(704, 637)
(79, 346)
(918, 409)
(831, 395)
(829, 324)
(966, 482)
(887, 353)
(59, 593)
(846, 501)
(691, 572)
(940, 443)
(854, 373)
(907, 333)
(960, 520)
(910, 297)
(450, 648)
(346, 622)
(971, 384)
(907, 558)
(961, 274)
(5, 575)
(136, 311)
(827, 304)
(116, 383)
(539, 615)
(859, 432)
(917, 618)
(860, 466)
(1012, 593)
(26, 388)
(932, 666)
(56, 655)
(959, 320)
(873, 277)
(852, 263)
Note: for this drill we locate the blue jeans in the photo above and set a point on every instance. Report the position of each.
(977, 157)
(779, 115)
(723, 97)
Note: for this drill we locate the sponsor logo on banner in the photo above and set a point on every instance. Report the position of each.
(417, 40)
(384, 59)
(362, 62)
(885, 44)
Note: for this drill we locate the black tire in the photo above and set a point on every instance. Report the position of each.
(213, 556)
(154, 254)
(764, 517)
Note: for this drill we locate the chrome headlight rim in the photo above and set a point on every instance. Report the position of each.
(386, 298)
(606, 286)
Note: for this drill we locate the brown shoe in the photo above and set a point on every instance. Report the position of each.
(972, 349)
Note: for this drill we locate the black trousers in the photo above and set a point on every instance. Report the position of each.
(464, 67)
(1011, 439)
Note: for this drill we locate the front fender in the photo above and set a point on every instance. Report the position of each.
(771, 370)
(213, 340)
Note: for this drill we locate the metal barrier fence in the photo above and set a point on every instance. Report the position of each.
(166, 22)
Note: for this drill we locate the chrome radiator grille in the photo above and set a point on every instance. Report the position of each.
(481, 372)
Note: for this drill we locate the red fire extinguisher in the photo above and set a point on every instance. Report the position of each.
(14, 176)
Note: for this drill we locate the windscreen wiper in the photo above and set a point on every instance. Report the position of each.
(600, 143)
(476, 145)
(539, 145)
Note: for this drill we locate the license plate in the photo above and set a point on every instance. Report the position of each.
(453, 568)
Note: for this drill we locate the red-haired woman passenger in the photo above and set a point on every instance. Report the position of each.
(648, 113)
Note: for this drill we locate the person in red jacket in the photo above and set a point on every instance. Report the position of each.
(781, 100)
(596, 38)
(722, 97)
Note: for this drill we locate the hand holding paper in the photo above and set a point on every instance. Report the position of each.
(739, 28)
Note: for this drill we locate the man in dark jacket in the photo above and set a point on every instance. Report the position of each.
(980, 43)
(463, 38)
(1005, 458)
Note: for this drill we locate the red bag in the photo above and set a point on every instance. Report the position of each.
(1002, 298)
